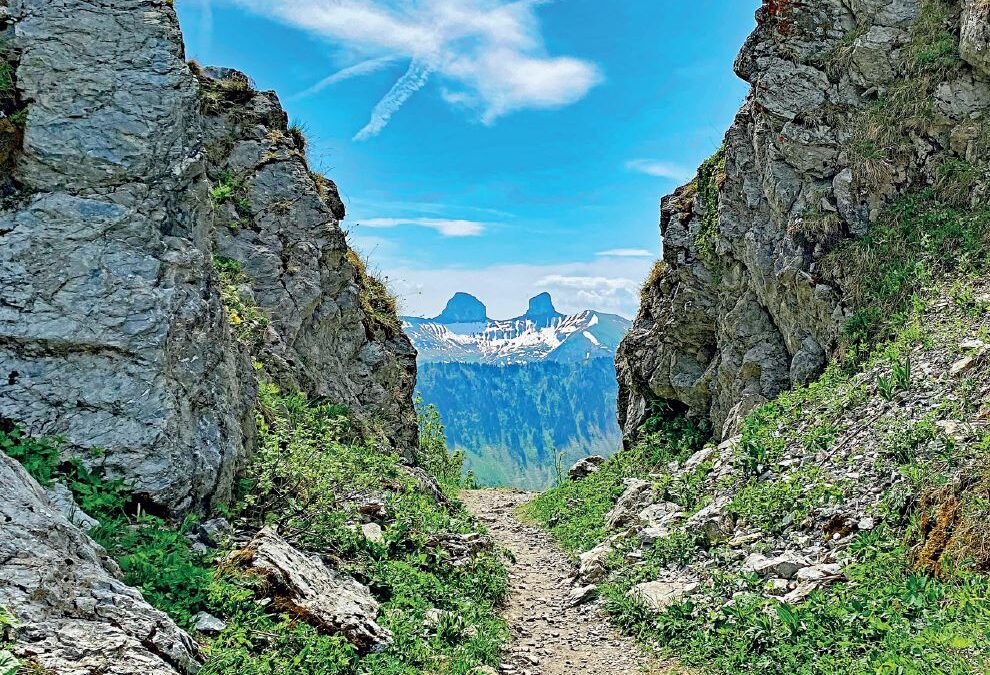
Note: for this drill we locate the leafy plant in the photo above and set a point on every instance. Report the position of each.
(39, 457)
(247, 321)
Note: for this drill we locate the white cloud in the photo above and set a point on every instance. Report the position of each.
(489, 54)
(608, 285)
(652, 167)
(412, 81)
(446, 226)
(627, 253)
(358, 69)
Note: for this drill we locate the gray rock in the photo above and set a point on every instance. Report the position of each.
(323, 597)
(784, 566)
(585, 467)
(112, 330)
(60, 497)
(713, 521)
(582, 595)
(214, 532)
(638, 495)
(659, 595)
(112, 334)
(373, 533)
(660, 515)
(592, 564)
(974, 38)
(208, 624)
(75, 614)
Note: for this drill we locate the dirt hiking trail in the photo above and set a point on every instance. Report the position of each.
(550, 636)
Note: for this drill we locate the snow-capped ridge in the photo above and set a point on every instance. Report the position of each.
(541, 334)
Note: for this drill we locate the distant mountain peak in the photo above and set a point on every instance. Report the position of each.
(541, 307)
(463, 308)
(463, 333)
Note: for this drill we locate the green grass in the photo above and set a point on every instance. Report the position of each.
(247, 321)
(307, 476)
(711, 174)
(575, 510)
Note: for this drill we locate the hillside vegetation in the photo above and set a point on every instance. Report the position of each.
(439, 582)
(839, 526)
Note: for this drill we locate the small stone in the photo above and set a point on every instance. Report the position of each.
(206, 623)
(579, 596)
(373, 533)
(866, 523)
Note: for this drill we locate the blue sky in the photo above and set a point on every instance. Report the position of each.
(494, 147)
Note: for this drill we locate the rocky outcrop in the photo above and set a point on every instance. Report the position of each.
(135, 177)
(281, 223)
(74, 615)
(742, 305)
(304, 587)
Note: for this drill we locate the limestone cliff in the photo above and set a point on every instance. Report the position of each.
(148, 207)
(852, 103)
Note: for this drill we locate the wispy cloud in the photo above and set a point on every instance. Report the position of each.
(357, 70)
(446, 226)
(627, 253)
(489, 54)
(412, 81)
(659, 169)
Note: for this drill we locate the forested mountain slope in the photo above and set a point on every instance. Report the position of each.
(522, 396)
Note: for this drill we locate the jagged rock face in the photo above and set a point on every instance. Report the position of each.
(74, 613)
(740, 307)
(112, 330)
(283, 226)
(112, 333)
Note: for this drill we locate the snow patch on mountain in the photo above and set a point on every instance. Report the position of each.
(541, 334)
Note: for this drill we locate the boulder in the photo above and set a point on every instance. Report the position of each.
(74, 613)
(585, 467)
(304, 586)
(659, 595)
(637, 496)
